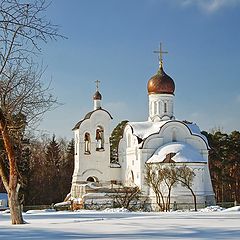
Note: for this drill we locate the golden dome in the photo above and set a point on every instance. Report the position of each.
(161, 83)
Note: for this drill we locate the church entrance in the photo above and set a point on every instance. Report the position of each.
(92, 179)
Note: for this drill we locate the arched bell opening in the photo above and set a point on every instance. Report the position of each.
(99, 138)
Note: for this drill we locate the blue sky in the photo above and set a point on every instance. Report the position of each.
(113, 41)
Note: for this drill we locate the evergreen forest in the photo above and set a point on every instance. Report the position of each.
(46, 170)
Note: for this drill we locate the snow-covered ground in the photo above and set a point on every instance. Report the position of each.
(210, 223)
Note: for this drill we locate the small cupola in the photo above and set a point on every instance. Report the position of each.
(97, 97)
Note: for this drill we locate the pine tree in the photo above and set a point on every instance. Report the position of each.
(38, 180)
(53, 159)
(114, 141)
(24, 169)
(224, 164)
(52, 171)
(234, 159)
(70, 154)
(67, 170)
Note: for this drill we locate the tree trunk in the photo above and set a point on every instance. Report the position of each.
(169, 199)
(158, 201)
(15, 207)
(14, 204)
(194, 199)
(163, 202)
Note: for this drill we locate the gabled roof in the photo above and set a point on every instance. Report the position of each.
(143, 130)
(88, 116)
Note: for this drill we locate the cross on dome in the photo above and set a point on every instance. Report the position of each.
(97, 84)
(161, 83)
(160, 57)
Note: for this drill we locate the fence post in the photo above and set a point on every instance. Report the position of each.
(174, 206)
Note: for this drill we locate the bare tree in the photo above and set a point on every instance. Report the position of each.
(169, 177)
(24, 98)
(185, 176)
(154, 178)
(158, 176)
(127, 197)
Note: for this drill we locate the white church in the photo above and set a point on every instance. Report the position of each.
(160, 139)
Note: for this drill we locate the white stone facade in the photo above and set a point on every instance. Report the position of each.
(161, 136)
(160, 107)
(92, 150)
(142, 143)
(135, 152)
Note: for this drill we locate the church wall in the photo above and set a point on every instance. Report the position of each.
(115, 174)
(202, 182)
(160, 106)
(132, 166)
(198, 180)
(144, 155)
(122, 158)
(130, 158)
(201, 187)
(208, 183)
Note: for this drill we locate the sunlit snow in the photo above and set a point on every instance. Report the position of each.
(213, 223)
(184, 153)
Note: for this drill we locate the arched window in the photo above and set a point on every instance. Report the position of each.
(132, 176)
(174, 137)
(99, 139)
(155, 107)
(87, 142)
(165, 107)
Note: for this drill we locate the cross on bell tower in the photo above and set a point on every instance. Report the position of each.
(160, 57)
(97, 97)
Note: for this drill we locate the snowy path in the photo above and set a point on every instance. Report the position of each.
(125, 225)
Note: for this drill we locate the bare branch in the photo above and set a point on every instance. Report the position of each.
(23, 97)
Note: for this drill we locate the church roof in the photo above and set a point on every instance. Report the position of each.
(181, 153)
(145, 129)
(88, 116)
